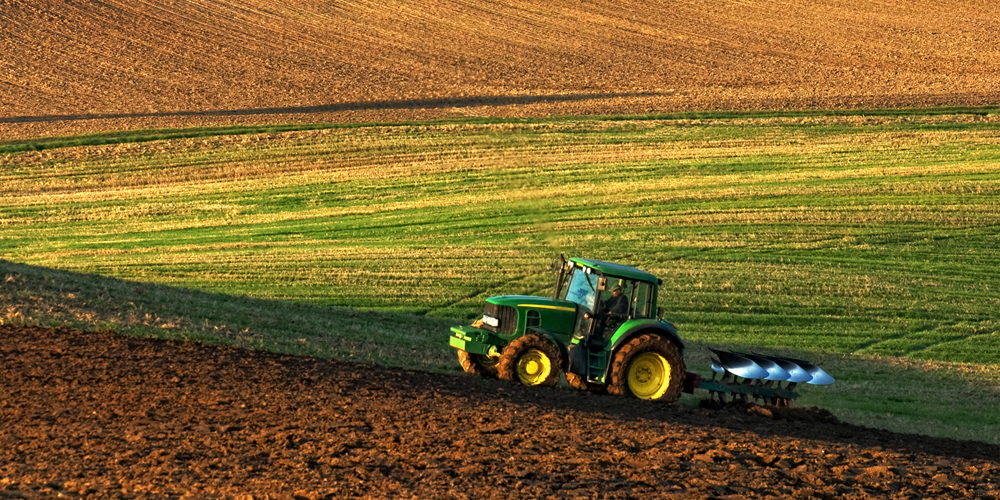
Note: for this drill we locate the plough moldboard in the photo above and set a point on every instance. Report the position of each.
(745, 376)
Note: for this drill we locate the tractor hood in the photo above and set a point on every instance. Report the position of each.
(520, 301)
(515, 314)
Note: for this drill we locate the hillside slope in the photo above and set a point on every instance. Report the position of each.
(70, 66)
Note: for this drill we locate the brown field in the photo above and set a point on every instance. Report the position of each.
(73, 66)
(96, 415)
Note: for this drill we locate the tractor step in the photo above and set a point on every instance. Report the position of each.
(597, 362)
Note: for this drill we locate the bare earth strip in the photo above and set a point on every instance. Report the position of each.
(98, 415)
(70, 67)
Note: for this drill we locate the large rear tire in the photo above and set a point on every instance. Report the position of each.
(648, 367)
(478, 364)
(530, 360)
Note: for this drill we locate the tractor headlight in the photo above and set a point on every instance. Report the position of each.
(490, 320)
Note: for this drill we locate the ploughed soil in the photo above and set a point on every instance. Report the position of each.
(98, 415)
(78, 66)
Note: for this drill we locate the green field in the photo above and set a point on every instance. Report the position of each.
(870, 242)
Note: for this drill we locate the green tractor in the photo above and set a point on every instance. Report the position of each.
(603, 330)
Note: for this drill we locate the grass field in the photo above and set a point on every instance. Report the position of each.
(856, 239)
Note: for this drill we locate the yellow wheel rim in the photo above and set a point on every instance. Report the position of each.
(534, 367)
(649, 376)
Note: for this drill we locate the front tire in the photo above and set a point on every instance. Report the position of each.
(648, 367)
(530, 360)
(478, 364)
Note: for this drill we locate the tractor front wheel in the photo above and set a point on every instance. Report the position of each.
(530, 360)
(648, 367)
(478, 364)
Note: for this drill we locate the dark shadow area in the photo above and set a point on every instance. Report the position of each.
(41, 295)
(447, 102)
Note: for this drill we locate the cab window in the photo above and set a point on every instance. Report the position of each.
(625, 289)
(642, 301)
(582, 288)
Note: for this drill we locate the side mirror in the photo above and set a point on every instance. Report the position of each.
(558, 264)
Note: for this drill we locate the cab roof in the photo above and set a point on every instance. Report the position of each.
(617, 270)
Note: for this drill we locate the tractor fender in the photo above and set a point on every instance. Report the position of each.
(635, 327)
(563, 348)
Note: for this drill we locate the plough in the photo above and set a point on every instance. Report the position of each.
(758, 377)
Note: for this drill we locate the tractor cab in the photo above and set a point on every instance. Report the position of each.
(615, 303)
(607, 296)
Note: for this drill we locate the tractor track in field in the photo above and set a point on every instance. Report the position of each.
(98, 415)
(80, 66)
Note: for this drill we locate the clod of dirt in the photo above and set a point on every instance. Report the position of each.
(806, 414)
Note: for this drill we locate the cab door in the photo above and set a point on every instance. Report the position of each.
(589, 288)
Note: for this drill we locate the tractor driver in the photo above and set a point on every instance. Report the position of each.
(615, 311)
(617, 305)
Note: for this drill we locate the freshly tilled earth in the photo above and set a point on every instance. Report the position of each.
(79, 66)
(99, 415)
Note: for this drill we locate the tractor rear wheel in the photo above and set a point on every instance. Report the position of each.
(530, 360)
(648, 367)
(478, 364)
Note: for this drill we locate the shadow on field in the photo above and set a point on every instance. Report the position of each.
(52, 297)
(446, 102)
